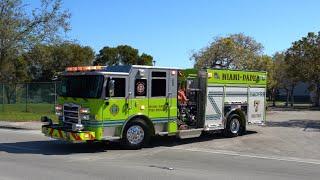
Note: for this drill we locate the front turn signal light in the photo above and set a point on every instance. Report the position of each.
(84, 110)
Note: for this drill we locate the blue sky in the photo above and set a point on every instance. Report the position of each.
(170, 30)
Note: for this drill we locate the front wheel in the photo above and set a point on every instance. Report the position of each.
(233, 127)
(136, 134)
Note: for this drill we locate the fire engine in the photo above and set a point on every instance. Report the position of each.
(132, 103)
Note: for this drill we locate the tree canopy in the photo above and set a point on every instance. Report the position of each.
(235, 51)
(44, 61)
(21, 30)
(303, 57)
(122, 54)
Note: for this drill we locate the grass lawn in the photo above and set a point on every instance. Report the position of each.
(17, 112)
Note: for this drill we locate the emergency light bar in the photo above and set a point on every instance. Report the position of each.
(84, 68)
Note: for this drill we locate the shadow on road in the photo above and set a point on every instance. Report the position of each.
(302, 123)
(173, 141)
(55, 147)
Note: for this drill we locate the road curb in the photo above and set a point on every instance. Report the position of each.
(20, 125)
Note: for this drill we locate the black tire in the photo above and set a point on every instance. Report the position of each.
(140, 125)
(230, 130)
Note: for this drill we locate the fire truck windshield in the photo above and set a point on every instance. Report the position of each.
(82, 86)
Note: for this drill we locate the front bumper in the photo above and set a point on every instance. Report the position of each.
(58, 132)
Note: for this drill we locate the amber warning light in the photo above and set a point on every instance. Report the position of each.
(84, 68)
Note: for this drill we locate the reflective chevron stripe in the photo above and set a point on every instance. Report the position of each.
(57, 133)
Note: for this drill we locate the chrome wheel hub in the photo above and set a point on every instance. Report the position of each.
(234, 126)
(135, 134)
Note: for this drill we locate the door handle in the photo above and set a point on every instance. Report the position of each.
(127, 99)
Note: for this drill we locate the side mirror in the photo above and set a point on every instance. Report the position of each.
(111, 88)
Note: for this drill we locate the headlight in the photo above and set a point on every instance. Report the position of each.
(58, 107)
(85, 117)
(84, 110)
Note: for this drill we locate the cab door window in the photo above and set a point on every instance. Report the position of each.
(119, 87)
(159, 84)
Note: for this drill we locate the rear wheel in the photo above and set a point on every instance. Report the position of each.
(136, 134)
(233, 127)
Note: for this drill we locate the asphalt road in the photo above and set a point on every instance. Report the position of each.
(26, 154)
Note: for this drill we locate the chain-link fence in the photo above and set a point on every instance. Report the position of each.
(27, 99)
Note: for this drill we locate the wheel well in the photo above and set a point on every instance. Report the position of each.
(239, 113)
(142, 117)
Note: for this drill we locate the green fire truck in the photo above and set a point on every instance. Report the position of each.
(132, 103)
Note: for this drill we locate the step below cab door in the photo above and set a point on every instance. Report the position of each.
(256, 110)
(214, 116)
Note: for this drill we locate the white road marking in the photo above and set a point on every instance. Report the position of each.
(232, 153)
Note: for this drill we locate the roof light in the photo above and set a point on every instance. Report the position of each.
(84, 68)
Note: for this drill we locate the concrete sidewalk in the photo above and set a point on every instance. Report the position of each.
(33, 125)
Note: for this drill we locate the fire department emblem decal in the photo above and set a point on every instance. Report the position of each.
(256, 105)
(140, 88)
(114, 109)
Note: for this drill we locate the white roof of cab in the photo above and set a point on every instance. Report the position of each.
(156, 67)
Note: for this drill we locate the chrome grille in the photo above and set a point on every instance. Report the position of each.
(71, 113)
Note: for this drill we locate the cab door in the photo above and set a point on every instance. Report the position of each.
(116, 106)
(139, 102)
(160, 98)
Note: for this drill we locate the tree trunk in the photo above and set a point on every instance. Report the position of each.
(10, 91)
(273, 96)
(288, 98)
(291, 95)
